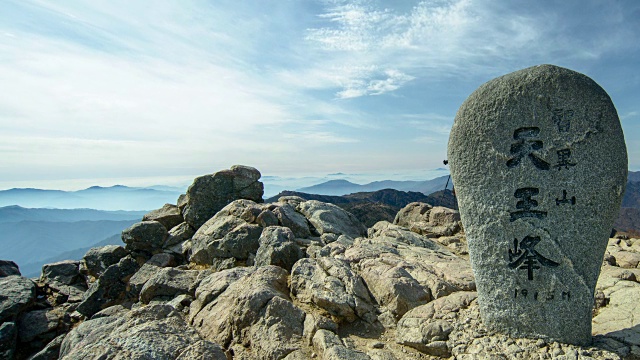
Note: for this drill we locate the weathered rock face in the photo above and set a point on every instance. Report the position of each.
(277, 247)
(109, 288)
(8, 268)
(151, 332)
(8, 337)
(535, 155)
(330, 219)
(16, 293)
(169, 216)
(228, 234)
(65, 272)
(146, 236)
(427, 220)
(239, 306)
(331, 285)
(210, 193)
(98, 259)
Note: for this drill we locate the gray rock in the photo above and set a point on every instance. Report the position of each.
(109, 289)
(115, 310)
(37, 323)
(179, 233)
(619, 318)
(169, 282)
(227, 234)
(329, 346)
(210, 193)
(169, 216)
(288, 216)
(213, 286)
(267, 218)
(330, 284)
(8, 268)
(65, 272)
(181, 302)
(98, 259)
(8, 337)
(425, 327)
(329, 218)
(313, 323)
(277, 247)
(279, 331)
(203, 350)
(145, 236)
(16, 294)
(438, 271)
(427, 220)
(535, 156)
(393, 286)
(150, 332)
(232, 301)
(147, 271)
(51, 351)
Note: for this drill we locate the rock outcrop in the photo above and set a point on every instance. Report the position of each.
(288, 280)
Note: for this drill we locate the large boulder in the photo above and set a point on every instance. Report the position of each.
(277, 247)
(147, 271)
(229, 234)
(8, 268)
(426, 327)
(8, 337)
(249, 307)
(278, 332)
(618, 318)
(427, 220)
(37, 327)
(146, 236)
(210, 193)
(65, 272)
(151, 332)
(98, 259)
(331, 219)
(169, 216)
(16, 294)
(110, 288)
(51, 351)
(438, 271)
(328, 345)
(330, 284)
(178, 234)
(289, 217)
(168, 283)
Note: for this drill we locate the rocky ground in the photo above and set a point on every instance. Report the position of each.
(222, 275)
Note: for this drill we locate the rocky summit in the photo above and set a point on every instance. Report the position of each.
(539, 164)
(290, 279)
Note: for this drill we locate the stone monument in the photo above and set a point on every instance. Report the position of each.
(539, 165)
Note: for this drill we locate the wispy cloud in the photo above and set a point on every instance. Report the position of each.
(450, 38)
(629, 115)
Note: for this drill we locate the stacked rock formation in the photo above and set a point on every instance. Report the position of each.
(292, 279)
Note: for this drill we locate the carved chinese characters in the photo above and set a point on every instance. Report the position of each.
(539, 164)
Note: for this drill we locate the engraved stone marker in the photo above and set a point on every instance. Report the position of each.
(539, 165)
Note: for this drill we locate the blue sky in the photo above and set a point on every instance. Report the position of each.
(139, 92)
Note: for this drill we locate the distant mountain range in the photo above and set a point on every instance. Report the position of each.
(343, 187)
(17, 213)
(116, 197)
(32, 237)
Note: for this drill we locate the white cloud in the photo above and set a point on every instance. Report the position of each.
(629, 115)
(318, 138)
